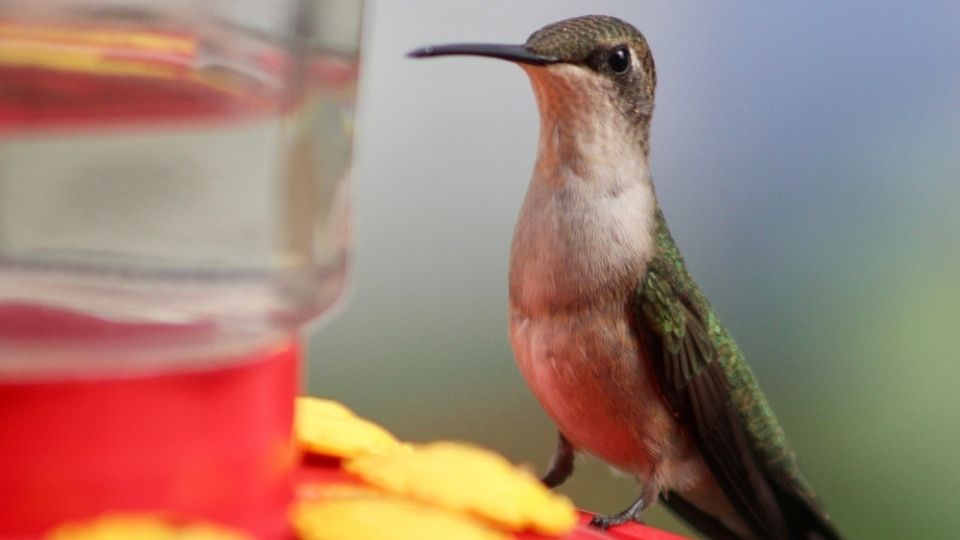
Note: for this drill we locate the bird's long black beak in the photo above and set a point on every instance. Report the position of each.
(514, 53)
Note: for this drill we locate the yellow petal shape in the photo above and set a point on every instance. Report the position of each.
(141, 527)
(328, 428)
(314, 492)
(325, 408)
(467, 478)
(368, 517)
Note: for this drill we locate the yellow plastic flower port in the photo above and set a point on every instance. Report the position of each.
(328, 428)
(351, 513)
(141, 527)
(462, 477)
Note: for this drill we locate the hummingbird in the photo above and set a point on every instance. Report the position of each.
(609, 329)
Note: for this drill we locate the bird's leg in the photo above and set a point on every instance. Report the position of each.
(632, 513)
(561, 464)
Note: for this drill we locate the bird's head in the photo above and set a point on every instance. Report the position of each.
(591, 74)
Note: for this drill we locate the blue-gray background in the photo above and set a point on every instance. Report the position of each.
(808, 159)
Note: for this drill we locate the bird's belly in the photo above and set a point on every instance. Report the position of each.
(587, 371)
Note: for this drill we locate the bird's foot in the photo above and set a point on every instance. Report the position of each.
(561, 464)
(630, 514)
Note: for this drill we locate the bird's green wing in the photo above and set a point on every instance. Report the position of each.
(709, 387)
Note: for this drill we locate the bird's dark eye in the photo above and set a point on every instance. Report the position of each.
(619, 59)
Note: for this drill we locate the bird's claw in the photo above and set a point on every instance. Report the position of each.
(612, 520)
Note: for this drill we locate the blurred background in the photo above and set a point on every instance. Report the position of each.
(808, 160)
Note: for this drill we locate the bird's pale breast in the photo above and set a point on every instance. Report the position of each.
(574, 264)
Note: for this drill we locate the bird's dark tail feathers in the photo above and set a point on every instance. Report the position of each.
(806, 522)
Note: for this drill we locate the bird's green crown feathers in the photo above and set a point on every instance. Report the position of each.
(573, 40)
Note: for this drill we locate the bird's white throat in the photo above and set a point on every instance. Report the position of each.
(586, 226)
